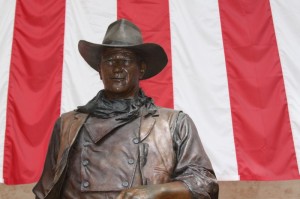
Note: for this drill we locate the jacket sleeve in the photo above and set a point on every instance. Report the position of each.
(193, 166)
(46, 180)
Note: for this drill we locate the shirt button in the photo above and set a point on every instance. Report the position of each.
(135, 140)
(85, 144)
(86, 184)
(85, 162)
(125, 184)
(130, 161)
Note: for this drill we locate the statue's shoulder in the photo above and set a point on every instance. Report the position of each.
(168, 113)
(72, 119)
(163, 110)
(71, 115)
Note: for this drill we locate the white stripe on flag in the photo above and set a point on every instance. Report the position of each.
(200, 79)
(286, 19)
(7, 16)
(87, 20)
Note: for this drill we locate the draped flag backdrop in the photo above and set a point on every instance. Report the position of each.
(234, 67)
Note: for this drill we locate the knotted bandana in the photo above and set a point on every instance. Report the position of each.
(127, 109)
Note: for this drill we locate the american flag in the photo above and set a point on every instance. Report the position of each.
(234, 67)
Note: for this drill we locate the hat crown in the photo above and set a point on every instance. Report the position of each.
(122, 33)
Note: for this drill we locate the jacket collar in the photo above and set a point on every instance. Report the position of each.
(98, 128)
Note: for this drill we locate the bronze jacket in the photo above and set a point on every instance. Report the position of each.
(174, 153)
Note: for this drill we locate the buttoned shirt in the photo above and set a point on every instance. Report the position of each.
(93, 171)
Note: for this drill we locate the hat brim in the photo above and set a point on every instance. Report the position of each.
(153, 55)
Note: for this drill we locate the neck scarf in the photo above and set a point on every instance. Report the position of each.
(124, 109)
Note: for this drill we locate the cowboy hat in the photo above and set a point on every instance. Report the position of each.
(124, 34)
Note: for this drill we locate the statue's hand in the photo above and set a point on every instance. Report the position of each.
(172, 190)
(142, 192)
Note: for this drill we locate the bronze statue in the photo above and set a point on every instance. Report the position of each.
(120, 144)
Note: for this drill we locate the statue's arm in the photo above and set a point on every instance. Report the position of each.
(193, 176)
(48, 173)
(193, 166)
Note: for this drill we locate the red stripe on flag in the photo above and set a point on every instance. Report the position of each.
(34, 90)
(153, 19)
(263, 138)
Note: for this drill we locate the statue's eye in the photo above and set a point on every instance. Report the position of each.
(127, 62)
(109, 62)
(123, 62)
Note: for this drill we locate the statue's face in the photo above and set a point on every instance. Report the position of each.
(120, 70)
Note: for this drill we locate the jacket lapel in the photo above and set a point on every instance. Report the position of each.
(147, 124)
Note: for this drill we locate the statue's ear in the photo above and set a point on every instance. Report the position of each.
(99, 70)
(143, 68)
